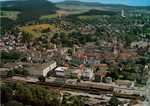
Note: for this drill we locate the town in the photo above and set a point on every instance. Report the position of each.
(94, 58)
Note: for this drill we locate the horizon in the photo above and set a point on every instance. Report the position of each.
(125, 2)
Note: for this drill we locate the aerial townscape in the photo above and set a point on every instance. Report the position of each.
(74, 53)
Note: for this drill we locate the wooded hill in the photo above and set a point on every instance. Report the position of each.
(30, 9)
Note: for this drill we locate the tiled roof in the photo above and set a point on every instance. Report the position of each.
(80, 55)
(2, 43)
(103, 65)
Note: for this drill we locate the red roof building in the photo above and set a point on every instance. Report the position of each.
(2, 43)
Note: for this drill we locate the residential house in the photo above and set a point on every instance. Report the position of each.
(87, 74)
(37, 69)
(128, 55)
(79, 58)
(103, 67)
(59, 71)
(93, 60)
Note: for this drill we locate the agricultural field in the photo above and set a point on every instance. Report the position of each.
(49, 16)
(9, 14)
(30, 30)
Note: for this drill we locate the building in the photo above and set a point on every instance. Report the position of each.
(59, 71)
(74, 73)
(3, 72)
(121, 13)
(87, 74)
(79, 58)
(103, 67)
(37, 69)
(93, 61)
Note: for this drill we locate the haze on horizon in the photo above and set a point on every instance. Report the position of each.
(126, 2)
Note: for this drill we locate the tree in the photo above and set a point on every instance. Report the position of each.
(40, 97)
(50, 73)
(42, 78)
(25, 72)
(114, 101)
(13, 103)
(6, 93)
(143, 61)
(17, 70)
(70, 51)
(78, 80)
(10, 73)
(23, 94)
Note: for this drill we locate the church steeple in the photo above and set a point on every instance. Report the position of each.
(115, 52)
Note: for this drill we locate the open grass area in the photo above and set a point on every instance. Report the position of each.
(49, 16)
(30, 30)
(9, 14)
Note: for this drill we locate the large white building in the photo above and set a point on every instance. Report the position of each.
(59, 71)
(37, 69)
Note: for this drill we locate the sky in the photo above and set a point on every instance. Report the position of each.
(126, 2)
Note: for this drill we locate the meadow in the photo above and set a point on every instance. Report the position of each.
(9, 14)
(30, 30)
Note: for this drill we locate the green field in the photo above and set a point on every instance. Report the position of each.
(9, 14)
(49, 16)
(30, 30)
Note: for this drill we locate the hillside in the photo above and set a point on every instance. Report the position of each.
(27, 11)
(30, 7)
(74, 2)
(97, 4)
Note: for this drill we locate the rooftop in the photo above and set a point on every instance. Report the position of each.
(80, 55)
(103, 65)
(61, 68)
(88, 70)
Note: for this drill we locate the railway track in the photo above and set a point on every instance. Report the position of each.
(59, 87)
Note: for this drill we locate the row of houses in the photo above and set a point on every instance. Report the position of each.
(95, 57)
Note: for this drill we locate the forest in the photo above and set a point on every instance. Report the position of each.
(30, 10)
